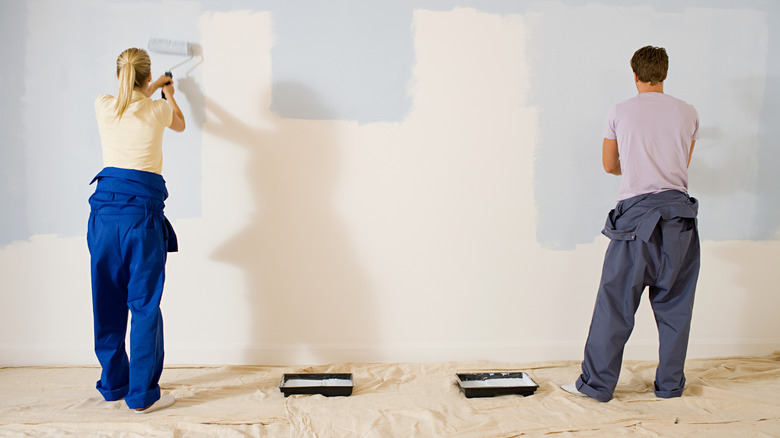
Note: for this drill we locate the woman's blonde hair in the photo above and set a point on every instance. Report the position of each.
(132, 68)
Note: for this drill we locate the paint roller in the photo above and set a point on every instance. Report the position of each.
(171, 47)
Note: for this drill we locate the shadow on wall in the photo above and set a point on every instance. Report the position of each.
(189, 86)
(307, 289)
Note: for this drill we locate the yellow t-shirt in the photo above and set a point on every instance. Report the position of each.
(135, 141)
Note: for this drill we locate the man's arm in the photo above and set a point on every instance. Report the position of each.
(690, 154)
(610, 157)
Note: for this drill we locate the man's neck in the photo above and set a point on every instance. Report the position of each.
(647, 87)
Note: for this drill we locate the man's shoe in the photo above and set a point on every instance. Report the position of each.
(572, 389)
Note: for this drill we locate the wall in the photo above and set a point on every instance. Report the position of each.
(409, 182)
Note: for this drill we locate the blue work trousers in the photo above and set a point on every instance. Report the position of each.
(655, 245)
(128, 237)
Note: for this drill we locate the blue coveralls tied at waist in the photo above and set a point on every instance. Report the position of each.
(643, 213)
(128, 238)
(654, 244)
(133, 183)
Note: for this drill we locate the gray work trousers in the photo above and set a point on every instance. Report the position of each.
(654, 244)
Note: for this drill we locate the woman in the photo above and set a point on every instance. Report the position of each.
(128, 235)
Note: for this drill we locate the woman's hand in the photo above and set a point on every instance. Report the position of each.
(160, 82)
(168, 88)
(177, 124)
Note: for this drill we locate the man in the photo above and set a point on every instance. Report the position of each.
(648, 139)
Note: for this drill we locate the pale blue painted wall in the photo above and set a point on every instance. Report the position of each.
(358, 56)
(13, 166)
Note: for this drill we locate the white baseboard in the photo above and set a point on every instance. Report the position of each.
(523, 352)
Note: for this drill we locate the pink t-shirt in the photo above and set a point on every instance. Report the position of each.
(654, 132)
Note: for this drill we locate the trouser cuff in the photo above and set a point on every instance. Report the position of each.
(113, 394)
(602, 396)
(141, 401)
(668, 394)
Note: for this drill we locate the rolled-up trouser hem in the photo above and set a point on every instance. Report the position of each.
(143, 400)
(591, 392)
(114, 394)
(668, 394)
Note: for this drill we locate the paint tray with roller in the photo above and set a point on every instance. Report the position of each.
(327, 384)
(491, 384)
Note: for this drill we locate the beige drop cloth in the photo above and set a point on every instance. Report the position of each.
(725, 397)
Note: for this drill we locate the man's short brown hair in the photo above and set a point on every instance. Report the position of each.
(650, 64)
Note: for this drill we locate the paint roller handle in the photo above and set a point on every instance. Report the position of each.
(170, 75)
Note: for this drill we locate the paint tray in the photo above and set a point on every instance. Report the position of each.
(491, 384)
(327, 384)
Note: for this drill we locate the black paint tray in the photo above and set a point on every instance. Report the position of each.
(327, 384)
(491, 384)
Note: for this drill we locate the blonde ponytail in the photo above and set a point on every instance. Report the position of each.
(132, 68)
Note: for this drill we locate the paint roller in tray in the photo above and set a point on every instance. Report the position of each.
(171, 47)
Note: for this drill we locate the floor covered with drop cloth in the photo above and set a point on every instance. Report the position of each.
(725, 397)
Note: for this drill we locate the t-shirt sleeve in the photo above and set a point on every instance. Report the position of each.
(609, 125)
(695, 123)
(164, 112)
(102, 105)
